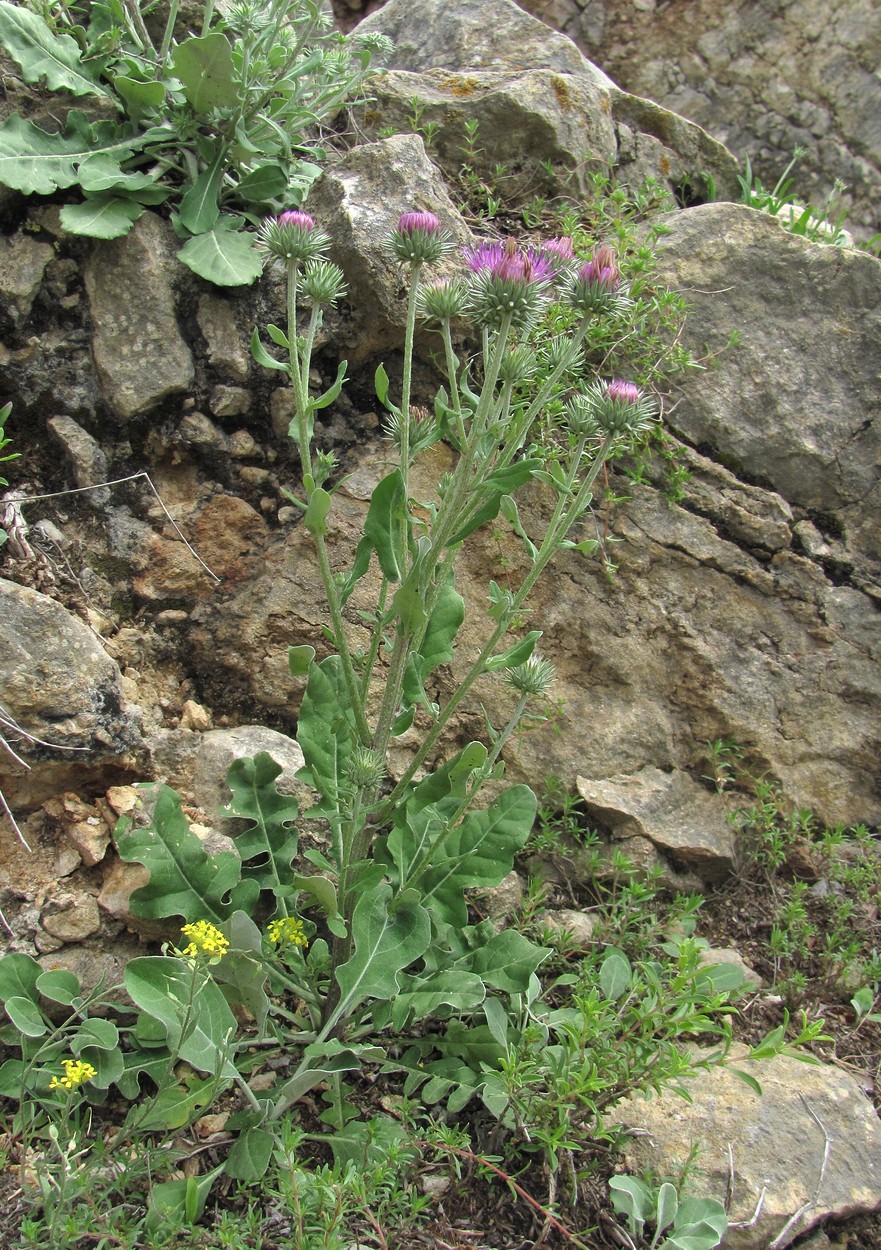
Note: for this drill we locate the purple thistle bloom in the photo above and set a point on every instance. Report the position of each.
(486, 256)
(507, 263)
(507, 283)
(408, 223)
(293, 217)
(559, 249)
(625, 392)
(604, 276)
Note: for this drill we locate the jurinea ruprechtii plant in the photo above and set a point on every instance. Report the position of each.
(221, 125)
(377, 937)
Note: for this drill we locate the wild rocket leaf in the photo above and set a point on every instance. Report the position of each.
(383, 528)
(271, 837)
(39, 163)
(43, 55)
(204, 64)
(223, 255)
(479, 852)
(162, 987)
(199, 209)
(437, 645)
(326, 729)
(386, 942)
(184, 879)
(101, 216)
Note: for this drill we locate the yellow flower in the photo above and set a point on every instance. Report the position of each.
(76, 1072)
(287, 932)
(204, 939)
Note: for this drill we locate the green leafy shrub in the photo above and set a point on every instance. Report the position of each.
(220, 127)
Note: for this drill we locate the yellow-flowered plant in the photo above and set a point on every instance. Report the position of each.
(287, 932)
(205, 939)
(76, 1073)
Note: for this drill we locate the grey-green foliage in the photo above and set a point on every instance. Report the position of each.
(695, 1224)
(221, 125)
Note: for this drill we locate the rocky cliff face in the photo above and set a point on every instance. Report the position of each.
(764, 78)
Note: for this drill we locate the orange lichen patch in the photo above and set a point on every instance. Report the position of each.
(462, 88)
(664, 164)
(561, 91)
(605, 104)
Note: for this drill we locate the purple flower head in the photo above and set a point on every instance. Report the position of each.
(292, 238)
(408, 223)
(626, 392)
(293, 217)
(507, 282)
(560, 251)
(596, 287)
(614, 409)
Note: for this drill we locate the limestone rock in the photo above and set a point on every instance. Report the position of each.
(673, 812)
(23, 262)
(61, 687)
(776, 1144)
(358, 202)
(83, 453)
(764, 78)
(805, 368)
(534, 95)
(225, 337)
(71, 916)
(139, 353)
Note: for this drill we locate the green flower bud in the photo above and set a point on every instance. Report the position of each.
(534, 677)
(322, 282)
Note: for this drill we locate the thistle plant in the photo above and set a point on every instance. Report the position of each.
(403, 853)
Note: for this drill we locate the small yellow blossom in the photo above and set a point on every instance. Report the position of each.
(287, 932)
(205, 939)
(76, 1072)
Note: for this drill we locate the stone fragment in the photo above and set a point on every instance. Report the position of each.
(139, 353)
(60, 686)
(579, 926)
(119, 884)
(85, 457)
(196, 717)
(230, 401)
(502, 902)
(82, 826)
(71, 917)
(773, 1145)
(23, 262)
(225, 339)
(681, 818)
(713, 955)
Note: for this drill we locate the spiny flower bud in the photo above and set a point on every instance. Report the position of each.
(322, 282)
(518, 365)
(534, 677)
(443, 300)
(419, 239)
(619, 408)
(366, 767)
(596, 287)
(507, 282)
(292, 237)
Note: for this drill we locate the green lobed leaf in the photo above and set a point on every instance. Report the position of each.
(270, 837)
(631, 1198)
(184, 879)
(224, 256)
(507, 961)
(437, 645)
(60, 985)
(384, 525)
(616, 974)
(101, 216)
(262, 356)
(315, 517)
(43, 55)
(38, 163)
(103, 172)
(200, 206)
(161, 986)
(26, 1016)
(498, 484)
(169, 1200)
(140, 97)
(263, 184)
(386, 943)
(326, 729)
(518, 654)
(249, 1155)
(476, 854)
(205, 66)
(18, 977)
(420, 997)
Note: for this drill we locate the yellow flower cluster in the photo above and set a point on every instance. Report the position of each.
(287, 932)
(76, 1071)
(205, 939)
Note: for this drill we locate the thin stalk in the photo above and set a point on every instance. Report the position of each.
(406, 379)
(560, 524)
(453, 364)
(169, 32)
